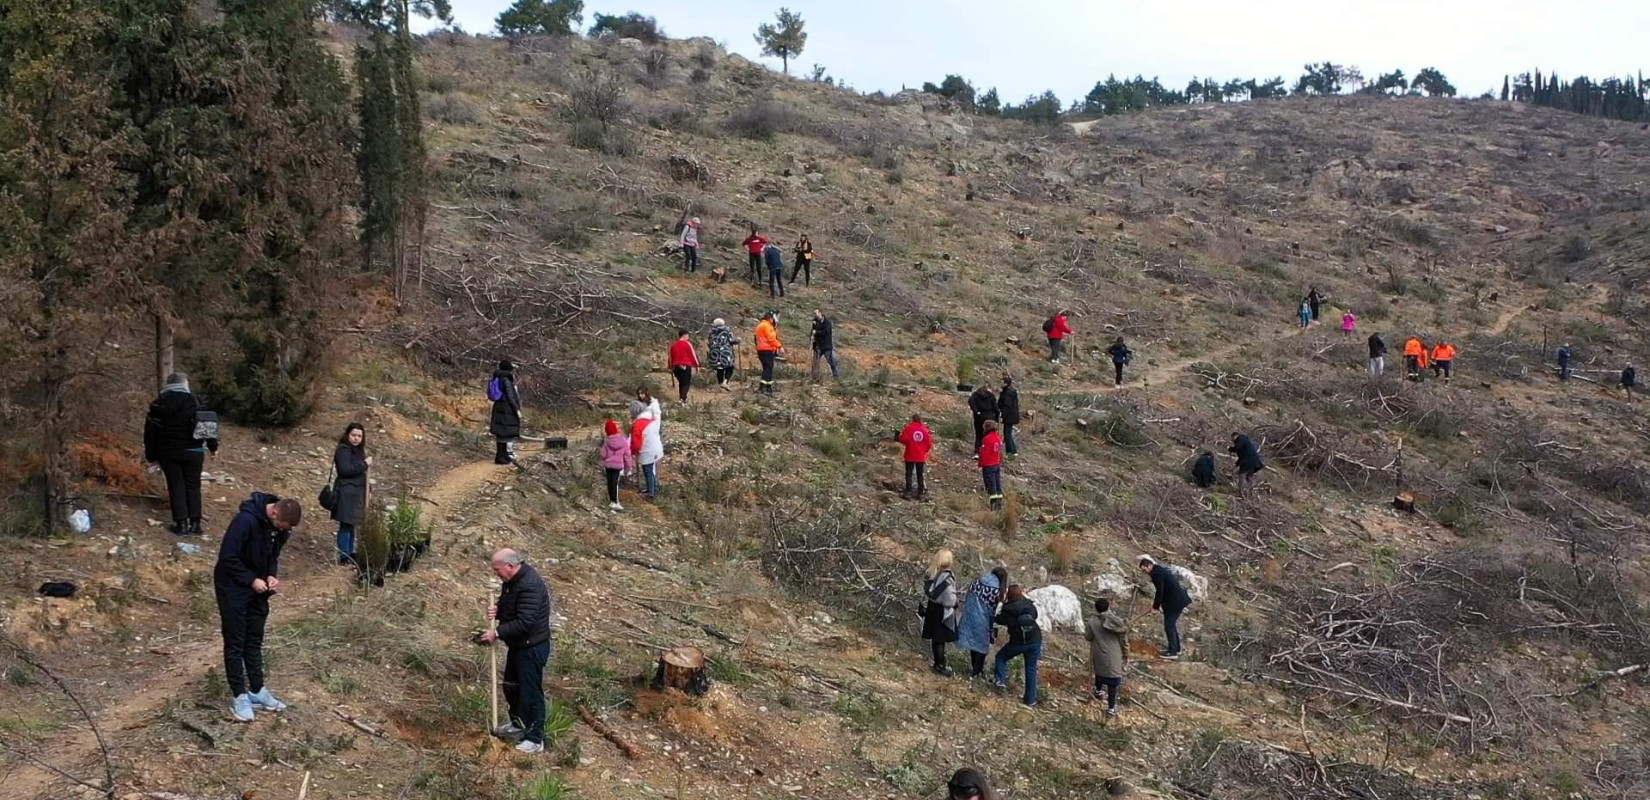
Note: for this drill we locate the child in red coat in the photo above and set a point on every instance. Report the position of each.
(991, 463)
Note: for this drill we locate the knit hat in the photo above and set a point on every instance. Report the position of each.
(612, 427)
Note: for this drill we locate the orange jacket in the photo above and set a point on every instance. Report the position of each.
(767, 337)
(1414, 347)
(1443, 352)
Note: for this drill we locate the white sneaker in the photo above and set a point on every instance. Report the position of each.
(614, 507)
(241, 708)
(266, 701)
(529, 747)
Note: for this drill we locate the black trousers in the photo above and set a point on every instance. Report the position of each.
(242, 614)
(939, 652)
(979, 432)
(612, 485)
(524, 688)
(1108, 687)
(804, 267)
(767, 357)
(684, 380)
(506, 452)
(690, 257)
(976, 664)
(183, 484)
(756, 268)
(724, 374)
(917, 470)
(1118, 365)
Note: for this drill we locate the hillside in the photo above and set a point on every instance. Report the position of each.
(1347, 650)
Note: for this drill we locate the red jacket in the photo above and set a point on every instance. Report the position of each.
(682, 355)
(1060, 329)
(918, 440)
(754, 243)
(991, 450)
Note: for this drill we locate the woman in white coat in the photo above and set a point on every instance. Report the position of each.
(648, 448)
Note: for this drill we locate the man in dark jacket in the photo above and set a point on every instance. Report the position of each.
(523, 613)
(1121, 355)
(1169, 597)
(1377, 355)
(1203, 470)
(1629, 380)
(1249, 463)
(1564, 362)
(245, 577)
(824, 342)
(506, 422)
(1008, 409)
(169, 443)
(776, 270)
(984, 405)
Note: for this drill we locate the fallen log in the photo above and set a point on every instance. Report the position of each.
(357, 724)
(1386, 701)
(629, 750)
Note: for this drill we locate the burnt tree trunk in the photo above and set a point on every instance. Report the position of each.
(163, 350)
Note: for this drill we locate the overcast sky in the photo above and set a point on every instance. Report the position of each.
(1066, 45)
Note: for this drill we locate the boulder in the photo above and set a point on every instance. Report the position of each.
(1114, 581)
(1057, 608)
(1196, 585)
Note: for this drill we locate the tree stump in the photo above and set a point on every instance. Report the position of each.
(683, 669)
(1405, 501)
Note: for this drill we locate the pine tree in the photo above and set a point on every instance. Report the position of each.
(785, 40)
(1506, 86)
(538, 18)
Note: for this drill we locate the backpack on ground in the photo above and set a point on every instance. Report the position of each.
(206, 425)
(495, 390)
(1048, 325)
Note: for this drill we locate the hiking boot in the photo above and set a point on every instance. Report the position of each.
(241, 709)
(266, 701)
(179, 527)
(530, 747)
(942, 670)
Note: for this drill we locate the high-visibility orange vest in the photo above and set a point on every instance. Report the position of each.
(1414, 347)
(767, 337)
(1443, 352)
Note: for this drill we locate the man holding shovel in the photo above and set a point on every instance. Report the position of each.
(523, 616)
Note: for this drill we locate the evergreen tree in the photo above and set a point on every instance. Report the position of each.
(1506, 85)
(538, 18)
(628, 26)
(1431, 81)
(1043, 109)
(990, 104)
(1320, 79)
(956, 88)
(784, 40)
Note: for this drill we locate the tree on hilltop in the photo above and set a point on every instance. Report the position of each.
(784, 40)
(989, 103)
(1433, 82)
(540, 17)
(633, 25)
(1391, 83)
(1320, 79)
(1043, 109)
(954, 88)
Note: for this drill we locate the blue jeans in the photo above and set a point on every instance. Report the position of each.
(650, 475)
(830, 358)
(1032, 652)
(1171, 630)
(993, 477)
(776, 283)
(1009, 445)
(346, 541)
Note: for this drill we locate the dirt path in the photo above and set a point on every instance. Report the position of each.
(1158, 373)
(314, 586)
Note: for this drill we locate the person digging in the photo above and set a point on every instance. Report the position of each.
(523, 614)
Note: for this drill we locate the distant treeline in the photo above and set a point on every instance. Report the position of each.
(1618, 98)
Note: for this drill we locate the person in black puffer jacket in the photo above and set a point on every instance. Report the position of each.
(169, 443)
(1019, 615)
(351, 462)
(1008, 407)
(245, 577)
(524, 608)
(983, 404)
(505, 424)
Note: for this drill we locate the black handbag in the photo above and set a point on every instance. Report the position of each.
(328, 498)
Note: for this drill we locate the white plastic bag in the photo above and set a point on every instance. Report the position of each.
(80, 521)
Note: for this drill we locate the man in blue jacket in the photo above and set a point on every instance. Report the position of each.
(776, 270)
(1169, 597)
(246, 575)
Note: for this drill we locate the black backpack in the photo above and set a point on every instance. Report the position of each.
(1048, 325)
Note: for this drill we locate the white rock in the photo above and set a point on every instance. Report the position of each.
(1196, 585)
(1057, 608)
(1114, 581)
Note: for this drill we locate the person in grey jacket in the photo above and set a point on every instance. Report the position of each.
(351, 462)
(1108, 637)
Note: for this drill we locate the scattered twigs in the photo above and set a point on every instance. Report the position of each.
(356, 723)
(1386, 701)
(1601, 678)
(107, 789)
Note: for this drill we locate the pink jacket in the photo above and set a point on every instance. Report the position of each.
(1348, 321)
(616, 453)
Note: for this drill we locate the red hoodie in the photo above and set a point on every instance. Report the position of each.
(1060, 329)
(755, 242)
(682, 355)
(991, 450)
(918, 441)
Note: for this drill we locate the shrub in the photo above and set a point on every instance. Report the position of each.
(266, 381)
(706, 56)
(613, 141)
(699, 75)
(599, 96)
(569, 227)
(439, 84)
(761, 120)
(1062, 549)
(455, 109)
(679, 119)
(628, 26)
(894, 177)
(966, 365)
(834, 446)
(404, 525)
(545, 787)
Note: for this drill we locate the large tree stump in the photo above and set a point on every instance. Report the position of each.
(683, 669)
(1404, 501)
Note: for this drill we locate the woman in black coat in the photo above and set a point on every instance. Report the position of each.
(505, 424)
(350, 487)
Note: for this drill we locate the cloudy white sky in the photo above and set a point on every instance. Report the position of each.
(1066, 45)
